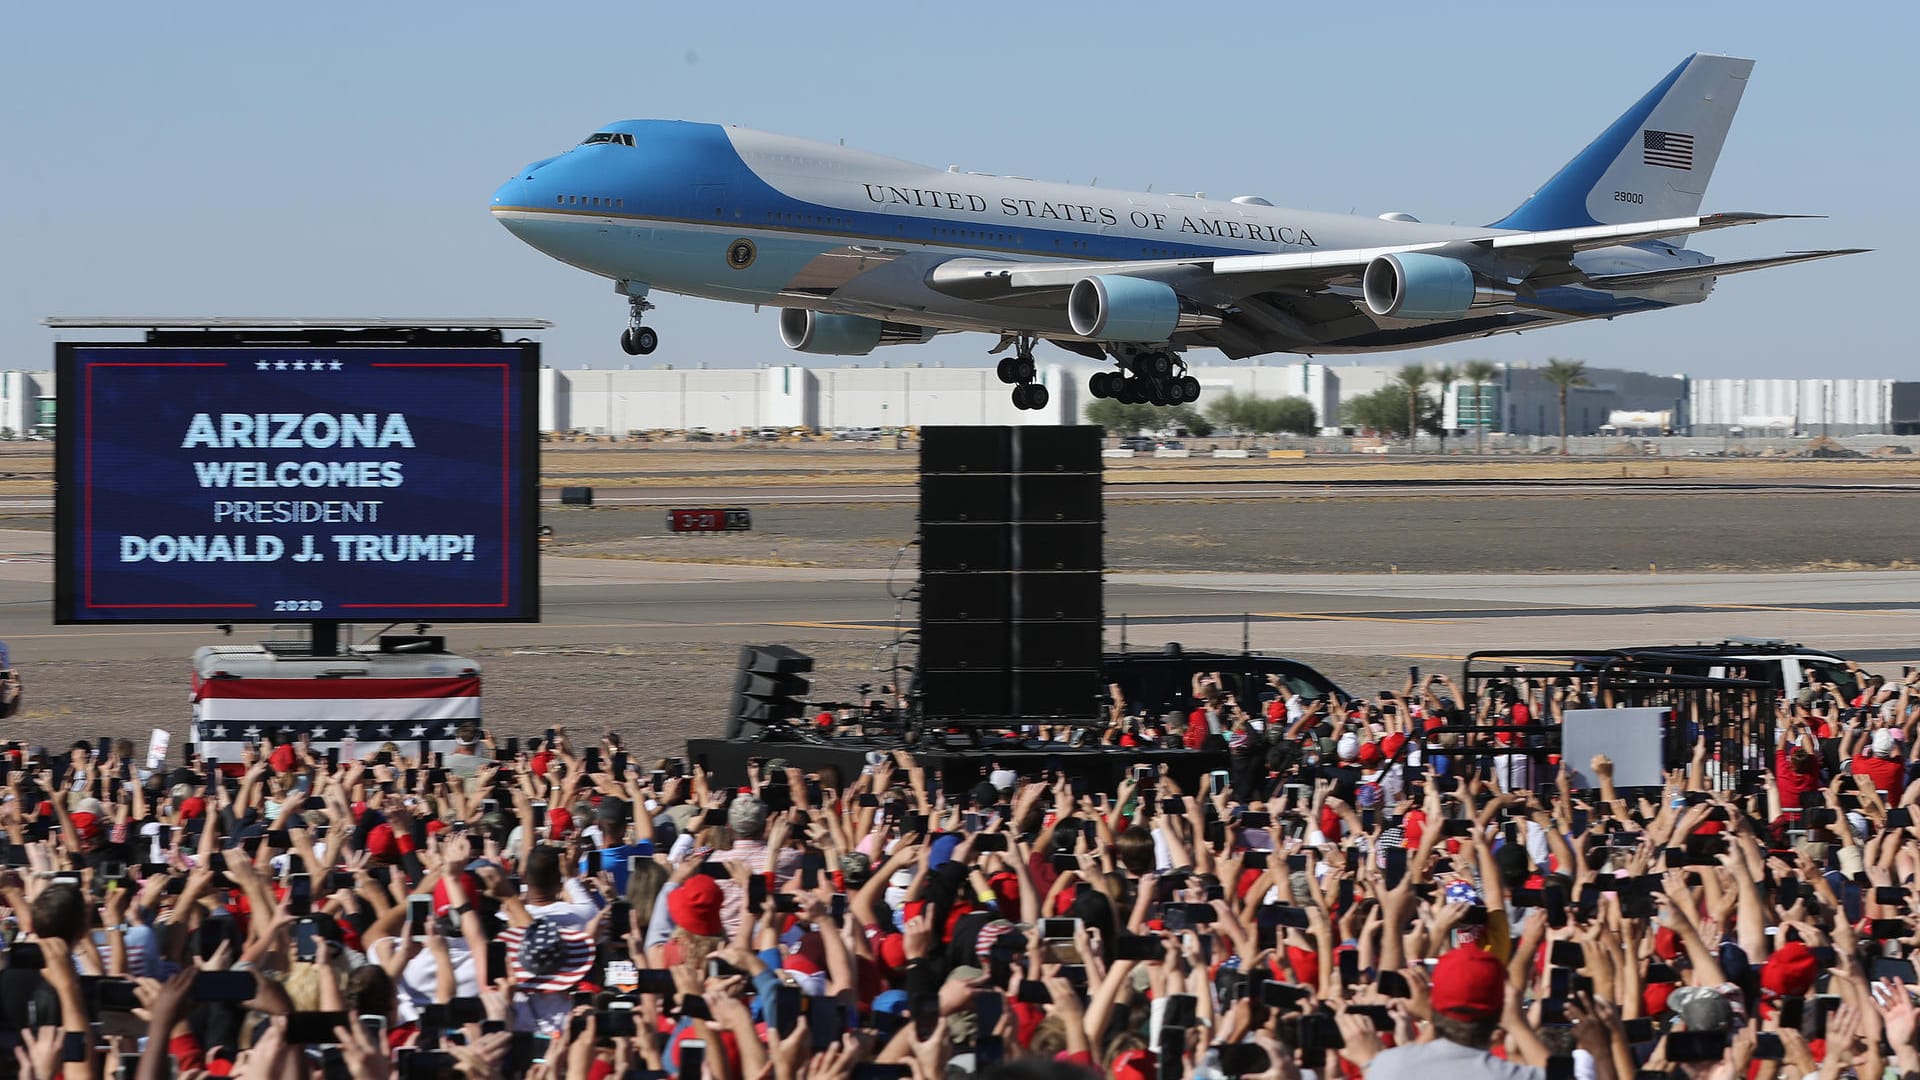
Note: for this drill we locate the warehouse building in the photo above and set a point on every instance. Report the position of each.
(1759, 407)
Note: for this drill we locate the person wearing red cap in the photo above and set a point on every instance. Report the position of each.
(694, 908)
(1469, 1002)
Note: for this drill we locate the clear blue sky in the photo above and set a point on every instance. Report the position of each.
(319, 159)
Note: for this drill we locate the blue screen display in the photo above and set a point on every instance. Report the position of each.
(284, 484)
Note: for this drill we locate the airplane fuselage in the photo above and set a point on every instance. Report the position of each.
(756, 218)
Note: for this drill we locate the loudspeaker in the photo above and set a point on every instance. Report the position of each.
(966, 597)
(1010, 557)
(965, 497)
(1057, 497)
(1067, 595)
(964, 695)
(767, 689)
(965, 646)
(1054, 646)
(576, 496)
(1070, 546)
(1056, 449)
(954, 547)
(965, 450)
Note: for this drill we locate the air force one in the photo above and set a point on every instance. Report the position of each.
(861, 250)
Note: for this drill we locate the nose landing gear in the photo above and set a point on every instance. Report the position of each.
(1018, 370)
(1157, 378)
(638, 339)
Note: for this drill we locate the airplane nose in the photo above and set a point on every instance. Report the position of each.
(523, 188)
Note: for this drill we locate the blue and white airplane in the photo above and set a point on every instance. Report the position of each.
(861, 250)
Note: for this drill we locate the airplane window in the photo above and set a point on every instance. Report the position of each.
(600, 137)
(560, 200)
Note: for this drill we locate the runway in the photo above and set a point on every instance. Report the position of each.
(1121, 490)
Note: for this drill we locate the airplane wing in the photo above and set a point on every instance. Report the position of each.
(992, 279)
(1649, 278)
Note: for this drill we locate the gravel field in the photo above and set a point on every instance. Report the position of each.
(658, 695)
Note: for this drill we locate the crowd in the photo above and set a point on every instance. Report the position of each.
(1345, 897)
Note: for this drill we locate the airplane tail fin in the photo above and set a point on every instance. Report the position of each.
(1653, 162)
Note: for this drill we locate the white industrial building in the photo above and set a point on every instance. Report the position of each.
(866, 394)
(1805, 407)
(27, 404)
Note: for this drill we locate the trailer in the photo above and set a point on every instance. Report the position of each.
(410, 692)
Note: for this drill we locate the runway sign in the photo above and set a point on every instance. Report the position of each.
(293, 483)
(732, 519)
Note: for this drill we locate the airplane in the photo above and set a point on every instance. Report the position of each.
(861, 250)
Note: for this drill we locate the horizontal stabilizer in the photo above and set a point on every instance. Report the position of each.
(1648, 279)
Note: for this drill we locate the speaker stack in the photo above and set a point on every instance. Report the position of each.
(1011, 553)
(768, 691)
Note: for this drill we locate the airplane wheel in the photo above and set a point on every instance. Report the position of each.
(1020, 398)
(645, 340)
(626, 343)
(1160, 393)
(1159, 364)
(1008, 370)
(1101, 384)
(1189, 389)
(1129, 393)
(1037, 396)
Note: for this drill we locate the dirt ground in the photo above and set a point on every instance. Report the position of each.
(660, 695)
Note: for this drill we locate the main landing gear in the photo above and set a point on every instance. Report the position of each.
(638, 339)
(1018, 370)
(1146, 378)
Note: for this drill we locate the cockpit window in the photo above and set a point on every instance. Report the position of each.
(619, 137)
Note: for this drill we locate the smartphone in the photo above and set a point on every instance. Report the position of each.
(618, 1022)
(1768, 1047)
(420, 913)
(496, 959)
(375, 1027)
(992, 841)
(314, 1028)
(306, 940)
(300, 895)
(1685, 1046)
(786, 1006)
(593, 862)
(1392, 984)
(1567, 954)
(1033, 992)
(223, 986)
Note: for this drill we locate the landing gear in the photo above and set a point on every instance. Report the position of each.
(1018, 371)
(638, 339)
(1158, 378)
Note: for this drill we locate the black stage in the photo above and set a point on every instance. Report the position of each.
(959, 769)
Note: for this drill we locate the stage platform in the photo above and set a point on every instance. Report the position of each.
(959, 769)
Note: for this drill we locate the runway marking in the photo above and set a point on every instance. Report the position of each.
(1907, 614)
(833, 626)
(1345, 618)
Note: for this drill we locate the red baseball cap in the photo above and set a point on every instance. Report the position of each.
(1469, 984)
(1790, 971)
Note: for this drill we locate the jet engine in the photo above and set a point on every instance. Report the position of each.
(1112, 307)
(1411, 285)
(843, 335)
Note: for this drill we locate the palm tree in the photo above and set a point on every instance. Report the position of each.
(1444, 374)
(1412, 381)
(1564, 375)
(1480, 373)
